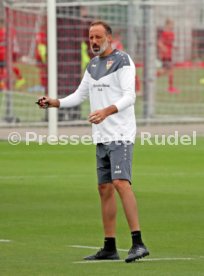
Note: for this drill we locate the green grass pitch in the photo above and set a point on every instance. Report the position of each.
(49, 201)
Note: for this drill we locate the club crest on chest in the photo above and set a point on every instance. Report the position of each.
(109, 64)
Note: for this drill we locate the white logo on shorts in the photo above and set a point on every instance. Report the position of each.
(118, 172)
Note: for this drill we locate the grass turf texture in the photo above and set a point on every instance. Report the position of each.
(49, 201)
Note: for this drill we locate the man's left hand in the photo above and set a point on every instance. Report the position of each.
(97, 116)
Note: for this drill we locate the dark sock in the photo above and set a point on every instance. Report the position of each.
(136, 238)
(109, 244)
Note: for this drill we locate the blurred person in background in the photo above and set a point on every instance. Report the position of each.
(19, 80)
(2, 56)
(85, 53)
(165, 47)
(41, 58)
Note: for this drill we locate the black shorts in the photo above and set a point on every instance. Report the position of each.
(2, 64)
(114, 161)
(167, 63)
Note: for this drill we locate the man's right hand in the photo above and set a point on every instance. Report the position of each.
(45, 102)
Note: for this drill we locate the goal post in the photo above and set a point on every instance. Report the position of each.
(149, 72)
(52, 64)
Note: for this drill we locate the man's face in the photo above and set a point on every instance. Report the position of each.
(99, 40)
(170, 26)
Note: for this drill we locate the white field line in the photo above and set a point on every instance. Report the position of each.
(143, 260)
(44, 176)
(125, 250)
(24, 176)
(2, 240)
(179, 174)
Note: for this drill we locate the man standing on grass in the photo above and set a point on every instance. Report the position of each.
(109, 81)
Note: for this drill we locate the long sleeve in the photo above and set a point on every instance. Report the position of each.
(79, 95)
(126, 77)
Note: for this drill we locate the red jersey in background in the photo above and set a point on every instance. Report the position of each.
(2, 45)
(167, 39)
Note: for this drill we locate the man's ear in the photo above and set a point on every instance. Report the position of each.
(110, 38)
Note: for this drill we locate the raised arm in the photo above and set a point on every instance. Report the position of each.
(72, 100)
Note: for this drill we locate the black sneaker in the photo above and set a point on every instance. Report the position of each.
(102, 254)
(136, 252)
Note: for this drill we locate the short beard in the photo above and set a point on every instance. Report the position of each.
(102, 49)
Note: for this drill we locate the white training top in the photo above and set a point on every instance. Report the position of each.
(109, 81)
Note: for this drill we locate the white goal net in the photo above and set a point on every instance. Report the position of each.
(165, 92)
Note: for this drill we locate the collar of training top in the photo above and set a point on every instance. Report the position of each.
(103, 66)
